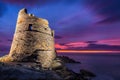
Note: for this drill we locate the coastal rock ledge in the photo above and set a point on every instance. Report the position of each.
(28, 71)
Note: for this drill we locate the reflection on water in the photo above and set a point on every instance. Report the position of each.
(106, 66)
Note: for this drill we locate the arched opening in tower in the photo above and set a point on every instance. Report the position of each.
(30, 27)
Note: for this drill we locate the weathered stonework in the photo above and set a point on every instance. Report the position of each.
(33, 37)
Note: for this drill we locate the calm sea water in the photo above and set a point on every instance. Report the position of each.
(105, 66)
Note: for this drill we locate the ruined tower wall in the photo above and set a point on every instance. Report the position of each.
(33, 36)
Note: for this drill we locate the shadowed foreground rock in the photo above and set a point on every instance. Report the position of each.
(17, 72)
(28, 71)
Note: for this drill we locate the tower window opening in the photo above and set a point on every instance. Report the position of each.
(45, 28)
(30, 27)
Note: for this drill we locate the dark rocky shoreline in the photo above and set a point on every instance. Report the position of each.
(33, 71)
(66, 59)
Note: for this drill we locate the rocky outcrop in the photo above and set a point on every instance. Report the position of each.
(30, 71)
(66, 59)
(22, 72)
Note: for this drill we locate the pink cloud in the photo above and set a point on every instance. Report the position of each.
(58, 46)
(77, 44)
(109, 42)
(71, 45)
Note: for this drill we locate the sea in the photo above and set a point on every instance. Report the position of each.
(105, 66)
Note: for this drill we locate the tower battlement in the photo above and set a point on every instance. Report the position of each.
(32, 23)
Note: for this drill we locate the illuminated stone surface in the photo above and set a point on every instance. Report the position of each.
(33, 36)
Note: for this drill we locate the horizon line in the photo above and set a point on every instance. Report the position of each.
(88, 51)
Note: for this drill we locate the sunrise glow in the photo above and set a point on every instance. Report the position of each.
(87, 51)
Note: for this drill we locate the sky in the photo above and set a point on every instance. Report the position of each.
(78, 24)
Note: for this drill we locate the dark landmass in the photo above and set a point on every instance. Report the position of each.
(33, 71)
(66, 59)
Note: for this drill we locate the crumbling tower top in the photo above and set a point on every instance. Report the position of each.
(23, 13)
(31, 22)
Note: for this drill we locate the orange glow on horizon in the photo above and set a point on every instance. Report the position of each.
(87, 51)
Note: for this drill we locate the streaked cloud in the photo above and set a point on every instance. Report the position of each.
(77, 44)
(58, 37)
(111, 42)
(58, 46)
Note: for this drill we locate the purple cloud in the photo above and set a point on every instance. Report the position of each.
(76, 29)
(4, 43)
(58, 37)
(91, 42)
(110, 20)
(110, 9)
(91, 45)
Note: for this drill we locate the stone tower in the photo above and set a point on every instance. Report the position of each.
(33, 37)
